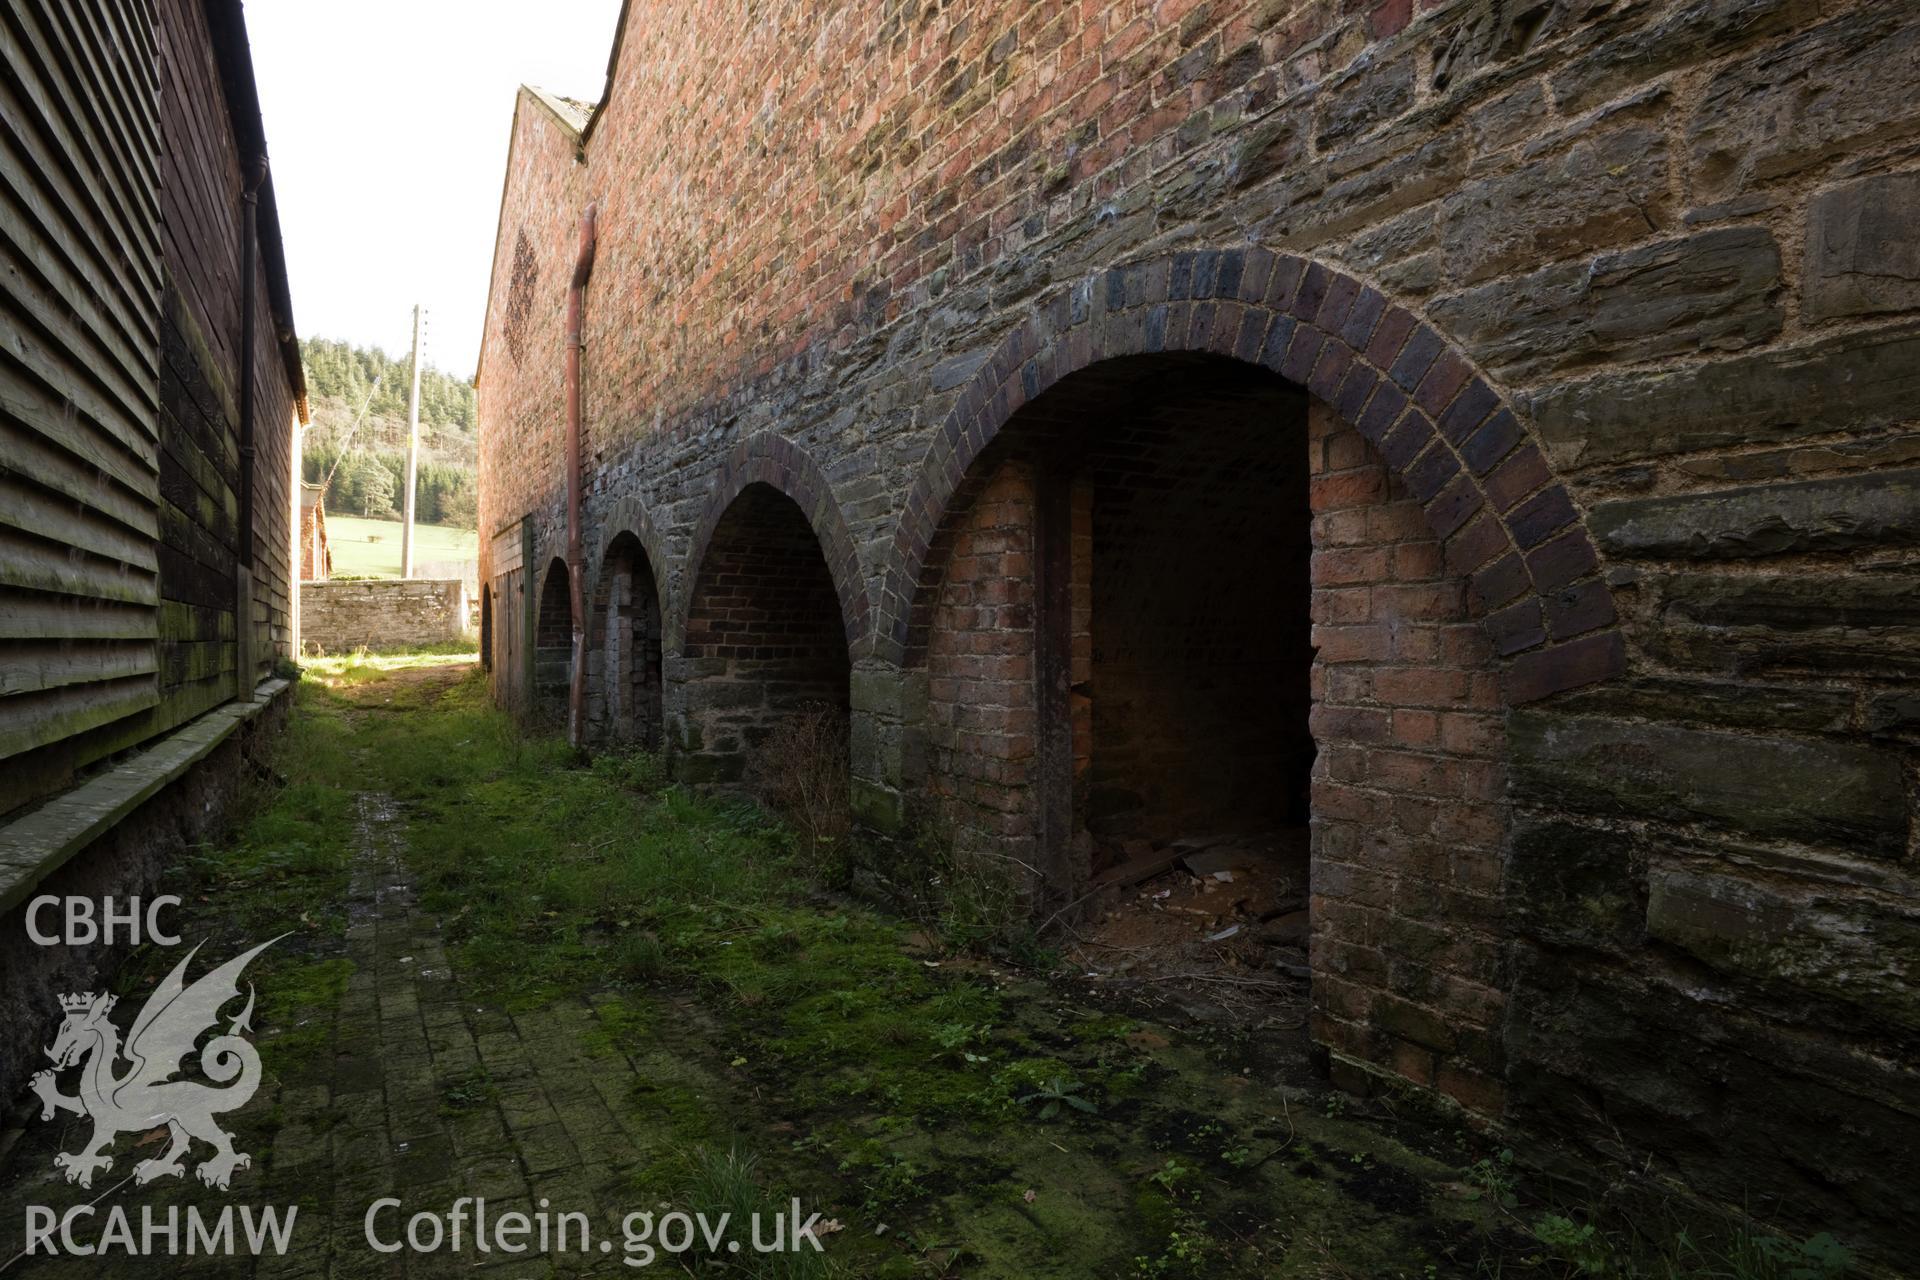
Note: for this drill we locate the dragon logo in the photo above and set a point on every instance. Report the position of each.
(146, 1096)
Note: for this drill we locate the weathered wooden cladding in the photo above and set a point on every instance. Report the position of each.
(79, 374)
(125, 609)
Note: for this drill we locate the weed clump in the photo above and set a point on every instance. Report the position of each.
(803, 775)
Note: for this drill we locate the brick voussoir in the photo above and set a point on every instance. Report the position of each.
(1228, 320)
(1228, 269)
(1357, 329)
(1253, 333)
(1180, 276)
(1454, 506)
(1389, 336)
(1443, 381)
(1523, 473)
(1382, 411)
(1335, 307)
(1254, 278)
(1475, 543)
(1330, 370)
(1273, 352)
(1410, 434)
(1570, 664)
(1302, 353)
(1494, 440)
(1502, 581)
(1562, 559)
(1422, 347)
(1312, 292)
(1355, 392)
(1473, 405)
(1288, 269)
(1541, 516)
(1430, 472)
(1579, 607)
(1517, 627)
(1199, 330)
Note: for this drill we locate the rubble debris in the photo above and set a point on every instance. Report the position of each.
(1222, 918)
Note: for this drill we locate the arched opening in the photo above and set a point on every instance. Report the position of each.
(624, 697)
(1180, 619)
(766, 646)
(486, 628)
(553, 645)
(1450, 578)
(1117, 626)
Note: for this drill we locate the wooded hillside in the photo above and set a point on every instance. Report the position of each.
(357, 445)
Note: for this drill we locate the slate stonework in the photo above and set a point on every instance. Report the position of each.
(1617, 297)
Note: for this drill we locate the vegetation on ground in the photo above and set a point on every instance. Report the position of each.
(951, 1113)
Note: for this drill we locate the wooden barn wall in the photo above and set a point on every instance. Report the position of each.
(123, 601)
(202, 207)
(200, 455)
(274, 573)
(79, 573)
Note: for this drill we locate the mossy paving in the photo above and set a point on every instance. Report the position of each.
(514, 977)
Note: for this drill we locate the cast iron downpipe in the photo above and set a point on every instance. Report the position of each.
(576, 567)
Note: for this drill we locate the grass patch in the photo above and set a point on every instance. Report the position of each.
(364, 548)
(952, 1112)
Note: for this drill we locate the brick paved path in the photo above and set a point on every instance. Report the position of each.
(424, 1096)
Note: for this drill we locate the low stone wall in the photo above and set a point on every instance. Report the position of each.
(381, 613)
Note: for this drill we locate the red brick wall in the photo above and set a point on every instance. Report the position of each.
(520, 398)
(1408, 790)
(764, 636)
(980, 670)
(779, 184)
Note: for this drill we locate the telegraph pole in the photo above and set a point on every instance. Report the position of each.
(413, 451)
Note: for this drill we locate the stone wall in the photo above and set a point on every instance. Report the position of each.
(345, 614)
(1612, 300)
(137, 858)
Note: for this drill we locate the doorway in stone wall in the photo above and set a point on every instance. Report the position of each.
(767, 667)
(1118, 646)
(552, 646)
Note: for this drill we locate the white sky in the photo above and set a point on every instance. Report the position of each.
(387, 128)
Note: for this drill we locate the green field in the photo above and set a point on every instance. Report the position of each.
(371, 548)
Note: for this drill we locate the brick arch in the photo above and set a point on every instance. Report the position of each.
(629, 515)
(773, 460)
(1489, 496)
